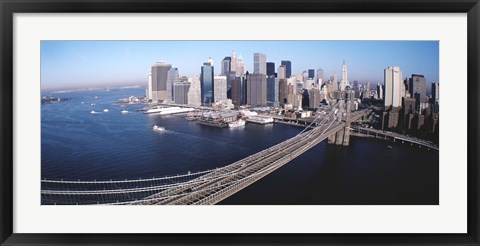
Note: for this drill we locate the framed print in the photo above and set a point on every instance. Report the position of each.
(284, 123)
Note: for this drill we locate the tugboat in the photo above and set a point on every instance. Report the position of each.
(158, 128)
(237, 123)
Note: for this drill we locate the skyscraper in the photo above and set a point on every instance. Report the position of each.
(220, 88)
(272, 91)
(241, 68)
(256, 89)
(270, 69)
(435, 92)
(311, 73)
(334, 81)
(260, 63)
(206, 83)
(171, 78)
(281, 72)
(226, 65)
(149, 82)
(319, 79)
(288, 68)
(344, 81)
(418, 85)
(233, 62)
(392, 82)
(282, 91)
(238, 91)
(159, 81)
(379, 91)
(194, 92)
(181, 92)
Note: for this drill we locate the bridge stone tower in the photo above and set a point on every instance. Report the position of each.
(345, 100)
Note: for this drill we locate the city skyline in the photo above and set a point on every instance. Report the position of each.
(80, 64)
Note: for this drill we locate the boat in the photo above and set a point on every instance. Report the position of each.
(389, 147)
(237, 123)
(158, 128)
(124, 111)
(93, 112)
(170, 110)
(105, 110)
(260, 119)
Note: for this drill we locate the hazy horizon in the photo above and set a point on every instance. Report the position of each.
(83, 64)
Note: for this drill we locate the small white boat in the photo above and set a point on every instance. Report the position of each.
(92, 104)
(124, 111)
(93, 112)
(237, 123)
(158, 128)
(105, 110)
(83, 102)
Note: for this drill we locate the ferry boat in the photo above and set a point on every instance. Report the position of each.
(158, 128)
(237, 123)
(260, 119)
(170, 110)
(124, 111)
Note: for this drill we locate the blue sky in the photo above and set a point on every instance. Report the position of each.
(79, 64)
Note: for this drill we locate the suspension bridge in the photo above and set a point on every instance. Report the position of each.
(204, 187)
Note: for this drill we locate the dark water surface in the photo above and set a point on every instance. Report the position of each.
(79, 145)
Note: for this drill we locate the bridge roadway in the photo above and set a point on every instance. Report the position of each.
(395, 136)
(246, 171)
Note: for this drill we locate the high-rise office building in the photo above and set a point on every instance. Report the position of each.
(260, 63)
(241, 68)
(282, 91)
(311, 73)
(435, 92)
(149, 82)
(288, 68)
(226, 65)
(270, 69)
(418, 85)
(220, 88)
(344, 81)
(159, 81)
(356, 89)
(281, 72)
(393, 84)
(181, 92)
(238, 91)
(206, 83)
(379, 91)
(194, 92)
(171, 78)
(367, 90)
(314, 98)
(319, 78)
(334, 82)
(256, 89)
(233, 61)
(272, 91)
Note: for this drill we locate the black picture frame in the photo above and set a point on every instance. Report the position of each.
(10, 7)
